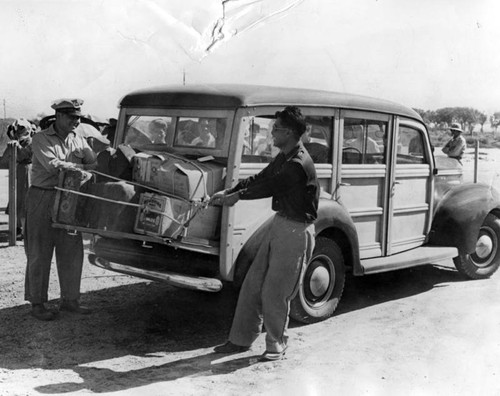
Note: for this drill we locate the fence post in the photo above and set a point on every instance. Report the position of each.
(13, 196)
(476, 160)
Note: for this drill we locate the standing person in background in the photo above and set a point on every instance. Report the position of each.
(455, 147)
(273, 278)
(20, 132)
(55, 149)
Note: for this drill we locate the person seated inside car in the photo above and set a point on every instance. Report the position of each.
(157, 130)
(206, 132)
(317, 151)
(358, 143)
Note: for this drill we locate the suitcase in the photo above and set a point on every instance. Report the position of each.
(111, 216)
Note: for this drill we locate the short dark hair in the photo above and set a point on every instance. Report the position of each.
(291, 117)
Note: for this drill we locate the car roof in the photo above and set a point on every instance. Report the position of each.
(232, 96)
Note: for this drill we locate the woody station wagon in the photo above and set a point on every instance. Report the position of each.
(386, 202)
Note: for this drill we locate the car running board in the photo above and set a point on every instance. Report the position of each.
(174, 279)
(411, 258)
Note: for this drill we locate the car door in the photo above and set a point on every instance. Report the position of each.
(409, 199)
(364, 175)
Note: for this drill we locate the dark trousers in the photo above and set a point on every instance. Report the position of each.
(41, 239)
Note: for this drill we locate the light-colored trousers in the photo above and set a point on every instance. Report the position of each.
(271, 283)
(40, 241)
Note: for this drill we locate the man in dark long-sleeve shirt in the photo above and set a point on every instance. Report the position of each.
(273, 278)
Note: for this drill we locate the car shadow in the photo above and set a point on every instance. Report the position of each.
(363, 292)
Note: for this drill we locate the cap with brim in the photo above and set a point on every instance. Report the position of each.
(69, 106)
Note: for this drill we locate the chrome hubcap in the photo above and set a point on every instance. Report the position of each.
(320, 279)
(484, 246)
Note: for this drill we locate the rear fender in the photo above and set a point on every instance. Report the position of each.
(460, 214)
(333, 222)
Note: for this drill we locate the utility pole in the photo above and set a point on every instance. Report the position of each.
(4, 111)
(183, 76)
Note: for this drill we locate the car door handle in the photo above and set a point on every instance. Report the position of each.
(394, 187)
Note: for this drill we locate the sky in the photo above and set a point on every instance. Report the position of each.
(425, 54)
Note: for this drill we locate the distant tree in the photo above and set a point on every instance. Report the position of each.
(429, 116)
(480, 118)
(495, 120)
(444, 115)
(466, 116)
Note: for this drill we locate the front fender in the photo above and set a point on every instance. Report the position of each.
(460, 214)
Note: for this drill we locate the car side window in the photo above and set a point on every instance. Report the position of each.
(364, 141)
(410, 146)
(258, 143)
(257, 139)
(317, 139)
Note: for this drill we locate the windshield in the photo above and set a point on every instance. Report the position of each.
(170, 132)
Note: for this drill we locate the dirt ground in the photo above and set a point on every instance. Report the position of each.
(422, 331)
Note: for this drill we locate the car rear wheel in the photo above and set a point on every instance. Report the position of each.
(485, 260)
(321, 284)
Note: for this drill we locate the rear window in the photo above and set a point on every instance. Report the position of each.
(144, 132)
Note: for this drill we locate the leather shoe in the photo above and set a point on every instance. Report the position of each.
(229, 347)
(41, 313)
(74, 307)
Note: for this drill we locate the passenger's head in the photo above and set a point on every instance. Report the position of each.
(254, 129)
(158, 130)
(306, 137)
(207, 127)
(357, 131)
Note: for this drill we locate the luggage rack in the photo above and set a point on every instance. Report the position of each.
(177, 240)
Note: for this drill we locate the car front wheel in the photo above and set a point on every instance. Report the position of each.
(485, 260)
(321, 284)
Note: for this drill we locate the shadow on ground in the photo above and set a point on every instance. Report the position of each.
(147, 319)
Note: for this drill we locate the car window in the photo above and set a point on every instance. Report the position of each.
(257, 140)
(317, 139)
(258, 143)
(410, 146)
(146, 130)
(364, 141)
(201, 132)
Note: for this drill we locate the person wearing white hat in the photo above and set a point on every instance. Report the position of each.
(20, 132)
(455, 147)
(55, 149)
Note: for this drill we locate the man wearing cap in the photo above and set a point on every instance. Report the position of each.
(55, 149)
(455, 147)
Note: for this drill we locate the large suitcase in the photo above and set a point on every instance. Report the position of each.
(113, 216)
